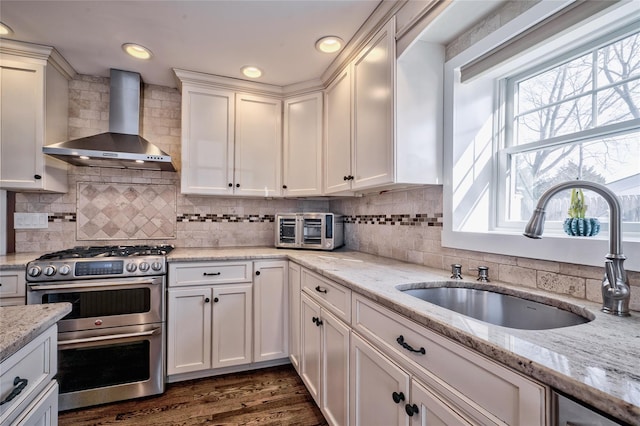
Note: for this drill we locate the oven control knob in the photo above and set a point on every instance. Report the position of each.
(144, 266)
(34, 271)
(131, 267)
(50, 270)
(156, 266)
(64, 270)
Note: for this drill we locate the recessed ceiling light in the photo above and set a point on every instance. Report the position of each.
(251, 71)
(136, 50)
(5, 29)
(329, 44)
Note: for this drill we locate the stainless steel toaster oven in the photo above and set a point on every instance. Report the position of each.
(319, 231)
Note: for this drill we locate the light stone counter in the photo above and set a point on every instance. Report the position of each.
(17, 261)
(597, 362)
(21, 324)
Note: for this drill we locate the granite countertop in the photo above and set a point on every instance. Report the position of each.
(21, 324)
(17, 261)
(596, 362)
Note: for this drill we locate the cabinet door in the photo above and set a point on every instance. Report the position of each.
(258, 147)
(232, 332)
(302, 167)
(374, 381)
(337, 138)
(207, 141)
(189, 330)
(294, 315)
(428, 410)
(373, 103)
(311, 350)
(271, 303)
(335, 369)
(23, 124)
(43, 411)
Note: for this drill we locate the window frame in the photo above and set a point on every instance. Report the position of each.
(509, 240)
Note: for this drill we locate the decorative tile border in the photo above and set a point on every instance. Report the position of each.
(418, 219)
(61, 217)
(225, 218)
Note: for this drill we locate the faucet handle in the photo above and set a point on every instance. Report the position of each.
(456, 271)
(483, 274)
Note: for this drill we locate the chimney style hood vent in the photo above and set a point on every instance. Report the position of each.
(121, 147)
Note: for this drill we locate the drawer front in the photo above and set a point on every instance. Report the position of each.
(12, 284)
(36, 363)
(195, 273)
(331, 295)
(505, 394)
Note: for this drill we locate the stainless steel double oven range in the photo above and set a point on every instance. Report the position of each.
(111, 345)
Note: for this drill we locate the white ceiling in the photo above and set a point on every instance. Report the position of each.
(215, 36)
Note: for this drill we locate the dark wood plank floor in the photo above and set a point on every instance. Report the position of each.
(272, 396)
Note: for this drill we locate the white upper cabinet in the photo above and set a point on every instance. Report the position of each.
(231, 141)
(383, 118)
(208, 124)
(34, 103)
(258, 146)
(302, 142)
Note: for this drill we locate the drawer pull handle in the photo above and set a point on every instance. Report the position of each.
(211, 274)
(321, 290)
(408, 347)
(317, 321)
(397, 397)
(19, 384)
(411, 409)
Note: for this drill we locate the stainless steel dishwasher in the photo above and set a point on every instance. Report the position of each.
(569, 412)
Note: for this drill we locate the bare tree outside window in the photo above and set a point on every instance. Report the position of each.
(567, 118)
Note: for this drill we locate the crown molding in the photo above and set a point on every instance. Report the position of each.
(38, 53)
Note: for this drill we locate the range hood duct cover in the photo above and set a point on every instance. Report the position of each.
(122, 147)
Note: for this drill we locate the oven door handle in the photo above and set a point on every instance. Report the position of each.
(78, 285)
(106, 338)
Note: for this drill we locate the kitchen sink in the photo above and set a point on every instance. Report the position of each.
(506, 310)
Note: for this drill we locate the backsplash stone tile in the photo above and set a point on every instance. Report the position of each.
(113, 211)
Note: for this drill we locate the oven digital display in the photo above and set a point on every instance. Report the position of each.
(104, 267)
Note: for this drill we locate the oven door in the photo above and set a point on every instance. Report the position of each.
(104, 303)
(106, 365)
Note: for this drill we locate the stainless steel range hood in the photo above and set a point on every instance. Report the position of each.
(121, 147)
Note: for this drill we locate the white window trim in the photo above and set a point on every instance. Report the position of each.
(554, 248)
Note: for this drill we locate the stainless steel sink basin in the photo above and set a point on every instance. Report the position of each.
(497, 308)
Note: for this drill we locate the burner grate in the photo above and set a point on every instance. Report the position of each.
(108, 251)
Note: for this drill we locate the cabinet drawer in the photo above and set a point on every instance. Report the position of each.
(505, 394)
(331, 295)
(37, 363)
(194, 273)
(12, 284)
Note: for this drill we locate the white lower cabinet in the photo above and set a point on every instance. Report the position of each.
(384, 394)
(12, 288)
(270, 310)
(294, 315)
(324, 360)
(30, 372)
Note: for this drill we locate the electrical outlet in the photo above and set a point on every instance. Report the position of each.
(30, 220)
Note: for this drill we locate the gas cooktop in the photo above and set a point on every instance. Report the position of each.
(81, 252)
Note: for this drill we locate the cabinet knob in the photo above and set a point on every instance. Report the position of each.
(397, 397)
(317, 321)
(230, 185)
(37, 177)
(257, 272)
(207, 300)
(237, 185)
(216, 300)
(345, 177)
(284, 186)
(411, 409)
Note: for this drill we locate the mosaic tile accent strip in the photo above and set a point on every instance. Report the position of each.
(418, 219)
(115, 211)
(61, 217)
(230, 218)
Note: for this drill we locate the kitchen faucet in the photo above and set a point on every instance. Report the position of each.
(615, 285)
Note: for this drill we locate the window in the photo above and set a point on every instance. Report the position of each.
(523, 112)
(574, 118)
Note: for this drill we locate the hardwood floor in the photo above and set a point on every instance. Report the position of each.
(272, 396)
